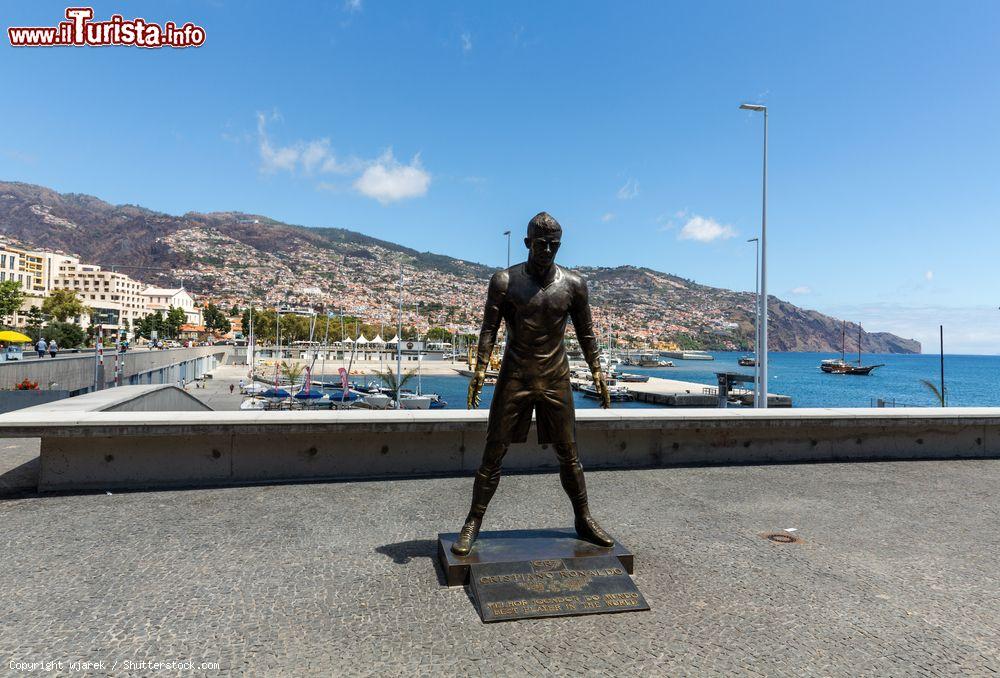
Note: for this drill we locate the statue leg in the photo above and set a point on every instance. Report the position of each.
(571, 476)
(485, 485)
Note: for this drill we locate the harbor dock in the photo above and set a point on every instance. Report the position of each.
(674, 393)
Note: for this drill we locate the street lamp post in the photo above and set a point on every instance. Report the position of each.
(762, 305)
(756, 322)
(507, 233)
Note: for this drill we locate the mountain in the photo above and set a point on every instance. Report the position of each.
(236, 258)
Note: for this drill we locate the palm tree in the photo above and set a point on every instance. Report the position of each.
(292, 372)
(389, 378)
(932, 387)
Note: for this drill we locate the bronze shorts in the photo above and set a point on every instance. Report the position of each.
(514, 400)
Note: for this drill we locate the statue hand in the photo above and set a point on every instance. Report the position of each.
(602, 387)
(475, 389)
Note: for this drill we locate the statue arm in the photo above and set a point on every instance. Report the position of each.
(492, 317)
(583, 323)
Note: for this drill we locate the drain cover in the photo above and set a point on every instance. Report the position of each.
(781, 538)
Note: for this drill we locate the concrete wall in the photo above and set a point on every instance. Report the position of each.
(75, 373)
(17, 400)
(162, 449)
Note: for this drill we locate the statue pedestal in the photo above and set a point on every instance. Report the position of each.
(512, 546)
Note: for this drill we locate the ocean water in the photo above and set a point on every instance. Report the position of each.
(971, 381)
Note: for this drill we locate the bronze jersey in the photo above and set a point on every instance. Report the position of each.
(536, 314)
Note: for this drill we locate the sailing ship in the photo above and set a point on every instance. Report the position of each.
(840, 365)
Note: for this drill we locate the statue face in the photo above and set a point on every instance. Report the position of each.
(542, 249)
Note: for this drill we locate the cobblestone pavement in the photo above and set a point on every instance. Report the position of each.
(897, 575)
(18, 466)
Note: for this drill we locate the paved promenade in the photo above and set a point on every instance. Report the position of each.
(897, 575)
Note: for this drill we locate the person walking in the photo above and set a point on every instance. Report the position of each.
(53, 348)
(41, 347)
(231, 387)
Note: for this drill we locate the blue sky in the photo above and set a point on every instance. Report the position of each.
(440, 125)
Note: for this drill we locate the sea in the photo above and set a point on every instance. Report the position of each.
(970, 380)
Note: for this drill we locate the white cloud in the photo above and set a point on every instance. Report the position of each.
(802, 289)
(304, 156)
(466, 42)
(387, 180)
(607, 216)
(705, 229)
(929, 275)
(629, 190)
(353, 5)
(384, 178)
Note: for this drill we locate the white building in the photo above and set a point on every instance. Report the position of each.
(113, 296)
(35, 270)
(162, 299)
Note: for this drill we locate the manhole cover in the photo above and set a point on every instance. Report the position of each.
(781, 538)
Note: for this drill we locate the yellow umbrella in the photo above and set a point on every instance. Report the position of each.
(14, 337)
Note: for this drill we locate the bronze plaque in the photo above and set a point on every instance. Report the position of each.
(556, 587)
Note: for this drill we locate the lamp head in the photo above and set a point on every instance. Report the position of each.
(753, 107)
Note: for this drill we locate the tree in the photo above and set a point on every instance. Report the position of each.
(234, 311)
(11, 296)
(66, 335)
(438, 334)
(216, 320)
(64, 304)
(389, 378)
(147, 324)
(172, 323)
(292, 372)
(932, 387)
(33, 323)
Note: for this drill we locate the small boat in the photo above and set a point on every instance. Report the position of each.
(629, 377)
(617, 393)
(376, 401)
(747, 361)
(644, 360)
(412, 401)
(253, 403)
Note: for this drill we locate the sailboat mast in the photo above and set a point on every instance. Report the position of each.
(843, 341)
(859, 343)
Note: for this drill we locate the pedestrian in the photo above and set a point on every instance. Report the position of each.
(231, 387)
(53, 348)
(41, 347)
(242, 384)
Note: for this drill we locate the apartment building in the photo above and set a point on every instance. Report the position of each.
(113, 296)
(34, 270)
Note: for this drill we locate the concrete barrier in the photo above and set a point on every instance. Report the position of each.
(18, 400)
(98, 450)
(75, 373)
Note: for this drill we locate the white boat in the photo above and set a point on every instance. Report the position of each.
(412, 401)
(617, 393)
(253, 403)
(377, 401)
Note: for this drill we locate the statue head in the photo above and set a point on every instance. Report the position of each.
(543, 240)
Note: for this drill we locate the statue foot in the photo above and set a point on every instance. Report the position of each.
(466, 537)
(588, 530)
